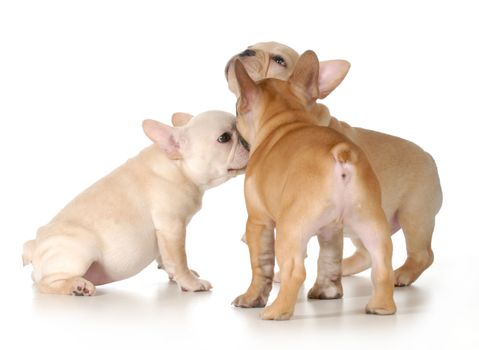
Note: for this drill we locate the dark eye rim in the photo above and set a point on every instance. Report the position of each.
(224, 137)
(279, 60)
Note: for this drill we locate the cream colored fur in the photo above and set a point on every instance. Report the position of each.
(140, 211)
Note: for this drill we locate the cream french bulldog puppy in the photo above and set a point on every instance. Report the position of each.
(140, 211)
(410, 187)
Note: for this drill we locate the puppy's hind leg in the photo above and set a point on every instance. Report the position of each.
(60, 266)
(417, 217)
(357, 262)
(373, 230)
(418, 233)
(62, 283)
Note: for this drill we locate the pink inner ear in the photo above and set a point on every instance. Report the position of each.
(247, 87)
(331, 74)
(172, 148)
(165, 136)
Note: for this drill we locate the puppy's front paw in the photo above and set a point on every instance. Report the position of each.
(247, 301)
(195, 273)
(277, 313)
(194, 284)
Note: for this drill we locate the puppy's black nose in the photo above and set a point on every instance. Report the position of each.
(247, 52)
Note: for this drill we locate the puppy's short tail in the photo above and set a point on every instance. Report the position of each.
(28, 248)
(345, 157)
(344, 153)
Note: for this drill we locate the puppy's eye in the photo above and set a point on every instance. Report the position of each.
(279, 60)
(226, 137)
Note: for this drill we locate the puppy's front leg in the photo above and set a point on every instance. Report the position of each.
(171, 244)
(260, 240)
(170, 273)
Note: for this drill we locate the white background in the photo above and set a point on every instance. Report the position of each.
(77, 79)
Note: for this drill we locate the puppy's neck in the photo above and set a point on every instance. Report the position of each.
(272, 123)
(279, 96)
(160, 166)
(321, 112)
(281, 112)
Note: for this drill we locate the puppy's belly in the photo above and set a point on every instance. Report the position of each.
(97, 275)
(125, 256)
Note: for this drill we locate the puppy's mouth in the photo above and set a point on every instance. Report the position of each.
(240, 170)
(243, 142)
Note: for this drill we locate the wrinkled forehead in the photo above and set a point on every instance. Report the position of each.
(274, 48)
(212, 122)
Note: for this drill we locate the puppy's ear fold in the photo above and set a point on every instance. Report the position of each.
(331, 74)
(180, 119)
(247, 88)
(165, 136)
(305, 75)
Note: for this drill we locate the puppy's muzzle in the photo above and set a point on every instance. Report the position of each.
(247, 53)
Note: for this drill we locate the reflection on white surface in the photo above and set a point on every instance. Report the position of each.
(148, 311)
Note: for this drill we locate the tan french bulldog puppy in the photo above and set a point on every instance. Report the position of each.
(140, 211)
(410, 187)
(305, 180)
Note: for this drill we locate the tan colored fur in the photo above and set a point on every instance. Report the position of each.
(305, 180)
(411, 191)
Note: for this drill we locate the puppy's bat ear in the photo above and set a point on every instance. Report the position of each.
(180, 119)
(305, 75)
(167, 137)
(248, 90)
(331, 74)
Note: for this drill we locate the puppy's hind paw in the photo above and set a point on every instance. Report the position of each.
(382, 307)
(404, 276)
(82, 287)
(275, 313)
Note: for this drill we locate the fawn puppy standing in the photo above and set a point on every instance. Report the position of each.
(305, 180)
(408, 176)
